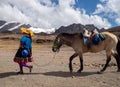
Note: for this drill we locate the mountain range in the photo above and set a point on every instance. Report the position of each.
(75, 28)
(14, 27)
(11, 27)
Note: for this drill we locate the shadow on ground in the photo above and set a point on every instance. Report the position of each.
(52, 73)
(68, 74)
(7, 74)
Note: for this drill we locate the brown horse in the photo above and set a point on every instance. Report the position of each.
(111, 45)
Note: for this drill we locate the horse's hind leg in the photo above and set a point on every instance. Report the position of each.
(70, 61)
(107, 62)
(117, 60)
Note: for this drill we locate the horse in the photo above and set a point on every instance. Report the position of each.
(111, 45)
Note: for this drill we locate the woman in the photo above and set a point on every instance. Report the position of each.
(24, 53)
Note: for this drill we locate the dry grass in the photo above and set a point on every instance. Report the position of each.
(11, 41)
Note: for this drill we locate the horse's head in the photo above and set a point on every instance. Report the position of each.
(57, 44)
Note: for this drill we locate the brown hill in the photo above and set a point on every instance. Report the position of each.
(115, 30)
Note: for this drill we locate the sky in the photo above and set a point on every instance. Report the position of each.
(49, 14)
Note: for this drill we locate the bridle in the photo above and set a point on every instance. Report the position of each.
(57, 45)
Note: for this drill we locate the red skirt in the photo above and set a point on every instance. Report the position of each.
(22, 60)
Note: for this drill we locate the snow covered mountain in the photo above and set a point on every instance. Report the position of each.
(11, 27)
(14, 27)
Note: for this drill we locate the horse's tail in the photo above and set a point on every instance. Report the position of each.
(118, 47)
(118, 54)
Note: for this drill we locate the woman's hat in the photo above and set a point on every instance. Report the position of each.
(27, 31)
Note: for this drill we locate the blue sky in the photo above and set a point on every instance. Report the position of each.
(90, 7)
(49, 14)
(87, 5)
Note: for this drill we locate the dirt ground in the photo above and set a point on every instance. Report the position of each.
(50, 70)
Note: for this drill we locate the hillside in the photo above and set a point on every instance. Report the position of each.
(75, 28)
(11, 27)
(115, 30)
(14, 27)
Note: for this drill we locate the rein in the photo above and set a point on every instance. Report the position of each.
(46, 63)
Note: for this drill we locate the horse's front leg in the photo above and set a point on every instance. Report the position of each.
(81, 62)
(70, 61)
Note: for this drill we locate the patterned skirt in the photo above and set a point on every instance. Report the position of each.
(19, 58)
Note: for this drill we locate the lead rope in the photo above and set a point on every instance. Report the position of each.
(46, 63)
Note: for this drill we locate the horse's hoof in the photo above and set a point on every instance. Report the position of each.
(73, 76)
(118, 70)
(99, 72)
(71, 71)
(79, 71)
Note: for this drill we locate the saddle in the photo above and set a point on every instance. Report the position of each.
(92, 39)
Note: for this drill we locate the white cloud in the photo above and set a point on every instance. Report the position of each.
(117, 20)
(110, 8)
(12, 14)
(45, 14)
(38, 30)
(99, 9)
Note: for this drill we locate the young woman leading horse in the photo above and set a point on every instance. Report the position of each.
(111, 45)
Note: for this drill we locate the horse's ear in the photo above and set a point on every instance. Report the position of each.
(61, 35)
